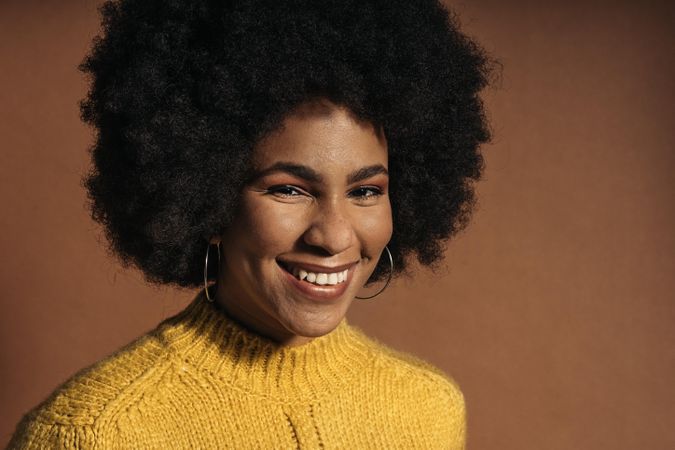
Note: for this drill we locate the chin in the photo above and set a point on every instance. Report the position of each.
(314, 324)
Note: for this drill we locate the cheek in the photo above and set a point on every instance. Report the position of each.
(269, 229)
(376, 228)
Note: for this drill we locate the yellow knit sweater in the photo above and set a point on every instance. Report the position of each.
(199, 380)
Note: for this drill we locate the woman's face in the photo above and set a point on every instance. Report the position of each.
(312, 223)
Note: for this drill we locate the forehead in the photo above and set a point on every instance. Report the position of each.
(324, 136)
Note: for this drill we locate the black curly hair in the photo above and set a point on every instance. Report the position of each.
(181, 91)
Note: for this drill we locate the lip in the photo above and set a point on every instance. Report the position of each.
(316, 292)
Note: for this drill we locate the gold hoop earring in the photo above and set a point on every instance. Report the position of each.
(391, 273)
(206, 271)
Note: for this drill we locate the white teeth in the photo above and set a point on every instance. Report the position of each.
(320, 278)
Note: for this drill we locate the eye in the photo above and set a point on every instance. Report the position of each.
(286, 191)
(366, 192)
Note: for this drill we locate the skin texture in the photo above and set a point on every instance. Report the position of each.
(285, 217)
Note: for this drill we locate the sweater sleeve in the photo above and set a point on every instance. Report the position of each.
(33, 434)
(457, 418)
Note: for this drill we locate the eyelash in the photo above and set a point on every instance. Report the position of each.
(278, 190)
(372, 191)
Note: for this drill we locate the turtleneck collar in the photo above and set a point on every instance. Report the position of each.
(203, 336)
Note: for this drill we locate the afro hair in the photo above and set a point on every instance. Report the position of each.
(182, 90)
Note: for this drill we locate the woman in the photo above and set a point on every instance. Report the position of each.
(278, 156)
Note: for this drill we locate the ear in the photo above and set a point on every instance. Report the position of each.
(215, 240)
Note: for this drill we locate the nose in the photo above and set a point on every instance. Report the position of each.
(330, 229)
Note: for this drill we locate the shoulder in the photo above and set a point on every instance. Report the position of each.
(426, 392)
(67, 417)
(410, 367)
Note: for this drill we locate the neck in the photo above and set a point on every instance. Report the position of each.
(206, 337)
(260, 323)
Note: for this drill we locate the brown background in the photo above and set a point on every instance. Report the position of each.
(555, 311)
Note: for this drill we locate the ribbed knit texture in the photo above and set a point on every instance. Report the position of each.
(199, 380)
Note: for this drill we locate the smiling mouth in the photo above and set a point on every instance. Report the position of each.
(315, 278)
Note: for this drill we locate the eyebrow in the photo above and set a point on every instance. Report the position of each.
(308, 174)
(366, 172)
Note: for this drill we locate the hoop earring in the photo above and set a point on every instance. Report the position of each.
(391, 273)
(206, 271)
